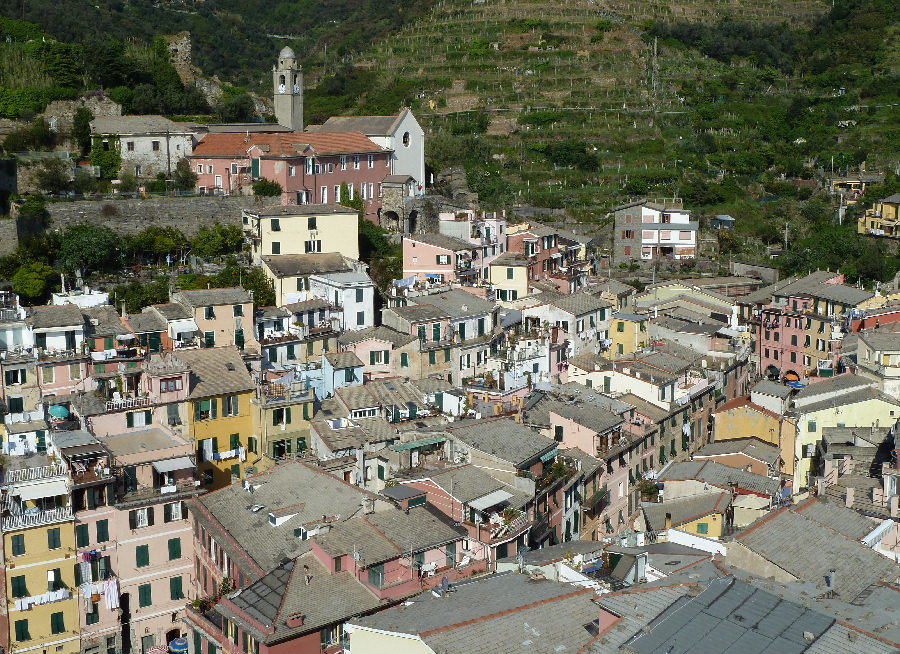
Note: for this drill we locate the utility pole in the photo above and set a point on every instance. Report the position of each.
(785, 236)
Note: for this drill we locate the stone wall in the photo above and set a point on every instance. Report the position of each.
(129, 216)
(8, 237)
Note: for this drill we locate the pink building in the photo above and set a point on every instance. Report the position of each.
(385, 352)
(781, 339)
(439, 259)
(155, 477)
(309, 166)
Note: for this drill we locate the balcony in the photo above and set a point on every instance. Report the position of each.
(281, 337)
(127, 402)
(273, 394)
(167, 491)
(33, 517)
(24, 473)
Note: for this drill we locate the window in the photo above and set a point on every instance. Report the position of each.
(102, 531)
(14, 377)
(362, 191)
(170, 385)
(324, 194)
(371, 161)
(443, 259)
(309, 166)
(18, 544)
(129, 146)
(349, 375)
(432, 359)
(93, 617)
(138, 518)
(376, 575)
(230, 405)
(356, 162)
(174, 549)
(404, 360)
(142, 556)
(343, 162)
(57, 623)
(312, 246)
(811, 426)
(793, 339)
(350, 191)
(360, 318)
(22, 630)
(155, 145)
(291, 173)
(276, 247)
(82, 536)
(145, 596)
(702, 528)
(53, 540)
(371, 191)
(19, 589)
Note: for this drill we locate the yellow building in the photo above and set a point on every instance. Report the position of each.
(302, 229)
(628, 333)
(741, 418)
(289, 273)
(220, 419)
(882, 219)
(702, 514)
(39, 556)
(508, 275)
(281, 416)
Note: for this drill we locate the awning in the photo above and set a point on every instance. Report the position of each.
(549, 455)
(414, 444)
(491, 499)
(44, 489)
(170, 465)
(594, 499)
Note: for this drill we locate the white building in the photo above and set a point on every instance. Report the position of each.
(584, 318)
(353, 292)
(148, 144)
(401, 134)
(667, 233)
(486, 231)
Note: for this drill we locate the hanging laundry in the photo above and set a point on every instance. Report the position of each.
(111, 593)
(207, 449)
(85, 567)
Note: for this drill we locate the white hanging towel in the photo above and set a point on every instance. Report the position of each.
(207, 449)
(111, 593)
(242, 454)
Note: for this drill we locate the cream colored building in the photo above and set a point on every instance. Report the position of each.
(508, 275)
(302, 229)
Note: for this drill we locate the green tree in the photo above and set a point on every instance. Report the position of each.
(89, 248)
(237, 109)
(266, 188)
(106, 152)
(156, 241)
(217, 240)
(34, 211)
(128, 183)
(185, 179)
(33, 281)
(81, 128)
(53, 175)
(84, 182)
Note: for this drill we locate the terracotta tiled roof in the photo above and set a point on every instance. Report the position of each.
(287, 144)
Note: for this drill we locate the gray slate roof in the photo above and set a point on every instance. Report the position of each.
(794, 541)
(752, 447)
(471, 601)
(284, 489)
(378, 333)
(148, 124)
(731, 617)
(368, 125)
(172, 311)
(216, 371)
(48, 317)
(850, 523)
(768, 387)
(212, 297)
(456, 303)
(277, 210)
(327, 598)
(684, 509)
(465, 483)
(503, 438)
(340, 360)
(442, 241)
(577, 304)
(290, 265)
(719, 475)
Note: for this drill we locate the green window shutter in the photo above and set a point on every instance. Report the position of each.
(431, 358)
(301, 444)
(78, 579)
(306, 411)
(287, 415)
(22, 630)
(129, 419)
(436, 332)
(236, 470)
(210, 647)
(145, 597)
(142, 555)
(509, 273)
(234, 441)
(387, 357)
(215, 441)
(108, 343)
(198, 642)
(18, 544)
(275, 417)
(175, 590)
(244, 641)
(110, 497)
(447, 355)
(174, 549)
(290, 351)
(404, 360)
(381, 472)
(53, 541)
(19, 588)
(82, 537)
(57, 623)
(148, 417)
(372, 358)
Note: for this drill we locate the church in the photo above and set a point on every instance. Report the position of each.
(345, 158)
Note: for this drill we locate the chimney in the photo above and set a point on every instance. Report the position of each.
(668, 521)
(848, 499)
(894, 503)
(831, 579)
(820, 486)
(295, 620)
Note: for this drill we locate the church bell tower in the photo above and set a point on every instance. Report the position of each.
(287, 78)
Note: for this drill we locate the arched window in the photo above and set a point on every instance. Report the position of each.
(406, 139)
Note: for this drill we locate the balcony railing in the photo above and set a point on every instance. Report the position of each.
(128, 403)
(36, 473)
(36, 518)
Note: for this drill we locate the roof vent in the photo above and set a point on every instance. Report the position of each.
(230, 366)
(256, 508)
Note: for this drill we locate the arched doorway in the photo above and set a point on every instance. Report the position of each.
(390, 220)
(412, 222)
(772, 373)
